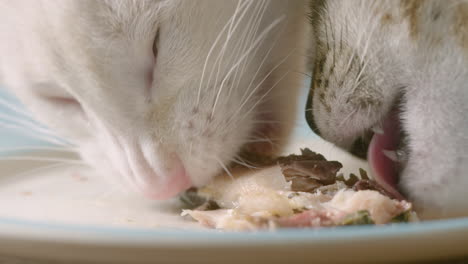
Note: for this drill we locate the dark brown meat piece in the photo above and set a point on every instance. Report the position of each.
(362, 185)
(353, 179)
(308, 171)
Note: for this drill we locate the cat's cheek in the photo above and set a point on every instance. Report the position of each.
(102, 167)
(90, 157)
(432, 196)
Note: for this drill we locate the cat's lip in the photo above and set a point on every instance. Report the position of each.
(384, 169)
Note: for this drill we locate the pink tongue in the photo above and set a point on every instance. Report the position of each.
(383, 168)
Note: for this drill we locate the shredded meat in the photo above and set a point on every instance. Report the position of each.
(300, 191)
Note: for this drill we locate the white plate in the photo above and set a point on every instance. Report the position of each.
(69, 214)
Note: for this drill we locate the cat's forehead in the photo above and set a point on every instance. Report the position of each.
(119, 19)
(126, 21)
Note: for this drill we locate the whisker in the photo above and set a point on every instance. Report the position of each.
(375, 69)
(366, 45)
(209, 55)
(224, 167)
(255, 28)
(218, 62)
(259, 140)
(244, 164)
(44, 138)
(261, 64)
(266, 122)
(266, 93)
(258, 40)
(261, 137)
(25, 123)
(332, 37)
(358, 43)
(303, 73)
(190, 148)
(230, 30)
(326, 34)
(57, 149)
(264, 78)
(238, 48)
(341, 39)
(45, 159)
(219, 59)
(346, 118)
(14, 108)
(41, 168)
(358, 80)
(249, 33)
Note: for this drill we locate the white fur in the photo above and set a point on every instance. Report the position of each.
(83, 68)
(429, 71)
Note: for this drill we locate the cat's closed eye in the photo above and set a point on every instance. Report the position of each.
(155, 47)
(63, 101)
(156, 44)
(58, 98)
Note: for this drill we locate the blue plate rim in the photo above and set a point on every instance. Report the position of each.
(9, 228)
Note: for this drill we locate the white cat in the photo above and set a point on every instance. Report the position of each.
(159, 94)
(399, 68)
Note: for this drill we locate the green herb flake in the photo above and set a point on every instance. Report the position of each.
(361, 217)
(363, 174)
(191, 199)
(402, 218)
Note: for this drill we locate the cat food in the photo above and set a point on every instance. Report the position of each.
(296, 191)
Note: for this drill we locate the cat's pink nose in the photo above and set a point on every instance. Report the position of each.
(158, 178)
(169, 185)
(153, 172)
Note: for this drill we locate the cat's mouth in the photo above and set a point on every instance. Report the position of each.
(385, 152)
